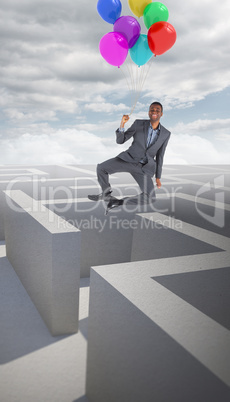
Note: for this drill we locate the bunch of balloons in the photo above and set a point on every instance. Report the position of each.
(126, 36)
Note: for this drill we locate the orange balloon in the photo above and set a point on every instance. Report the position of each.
(161, 37)
(138, 6)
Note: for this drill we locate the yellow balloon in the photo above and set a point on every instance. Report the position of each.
(138, 6)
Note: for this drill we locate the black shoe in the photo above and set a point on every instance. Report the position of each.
(113, 203)
(103, 196)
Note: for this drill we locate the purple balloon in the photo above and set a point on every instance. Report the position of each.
(129, 27)
(114, 48)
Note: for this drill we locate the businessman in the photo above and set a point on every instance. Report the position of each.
(143, 159)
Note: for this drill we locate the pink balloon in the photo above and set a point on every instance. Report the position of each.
(129, 27)
(114, 48)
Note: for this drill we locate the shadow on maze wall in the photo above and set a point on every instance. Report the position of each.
(23, 331)
(109, 239)
(214, 284)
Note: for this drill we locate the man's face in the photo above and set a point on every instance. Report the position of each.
(155, 113)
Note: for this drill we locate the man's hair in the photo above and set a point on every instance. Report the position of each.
(157, 103)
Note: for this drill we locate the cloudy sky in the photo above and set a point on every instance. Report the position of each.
(60, 101)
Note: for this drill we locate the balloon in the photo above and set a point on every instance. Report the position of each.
(155, 12)
(138, 6)
(161, 37)
(109, 10)
(140, 52)
(129, 27)
(114, 48)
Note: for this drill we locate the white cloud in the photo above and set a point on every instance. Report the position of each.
(202, 126)
(16, 115)
(61, 146)
(193, 149)
(102, 127)
(39, 146)
(106, 107)
(224, 137)
(200, 142)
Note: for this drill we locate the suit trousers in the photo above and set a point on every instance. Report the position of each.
(117, 165)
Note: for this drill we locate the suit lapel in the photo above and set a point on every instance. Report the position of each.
(160, 138)
(162, 133)
(146, 129)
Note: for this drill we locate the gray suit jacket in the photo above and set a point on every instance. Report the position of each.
(138, 148)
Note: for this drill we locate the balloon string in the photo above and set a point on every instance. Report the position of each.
(132, 81)
(132, 69)
(135, 81)
(141, 81)
(126, 79)
(137, 89)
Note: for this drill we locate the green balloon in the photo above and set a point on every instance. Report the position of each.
(155, 12)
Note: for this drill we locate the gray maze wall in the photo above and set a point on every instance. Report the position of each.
(159, 276)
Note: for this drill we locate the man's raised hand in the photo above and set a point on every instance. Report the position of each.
(124, 120)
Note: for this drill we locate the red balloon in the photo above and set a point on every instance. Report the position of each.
(161, 37)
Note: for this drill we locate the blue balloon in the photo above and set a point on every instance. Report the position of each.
(140, 52)
(109, 10)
